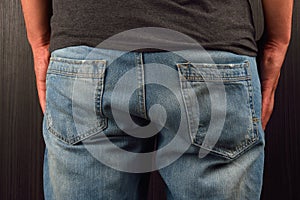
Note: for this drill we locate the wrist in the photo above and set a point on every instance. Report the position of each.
(40, 50)
(275, 47)
(39, 41)
(269, 86)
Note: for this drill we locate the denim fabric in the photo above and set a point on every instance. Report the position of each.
(231, 169)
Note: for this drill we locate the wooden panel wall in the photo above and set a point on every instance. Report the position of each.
(282, 167)
(21, 144)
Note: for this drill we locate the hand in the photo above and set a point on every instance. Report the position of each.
(273, 57)
(41, 56)
(267, 106)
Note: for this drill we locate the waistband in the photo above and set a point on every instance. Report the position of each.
(190, 55)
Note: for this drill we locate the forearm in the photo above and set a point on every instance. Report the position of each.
(278, 18)
(37, 20)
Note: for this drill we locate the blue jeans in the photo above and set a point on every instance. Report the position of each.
(112, 117)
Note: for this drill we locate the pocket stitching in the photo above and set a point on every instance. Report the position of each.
(253, 138)
(101, 120)
(81, 136)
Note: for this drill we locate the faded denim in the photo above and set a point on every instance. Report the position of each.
(233, 167)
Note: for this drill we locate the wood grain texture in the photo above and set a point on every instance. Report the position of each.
(21, 144)
(282, 177)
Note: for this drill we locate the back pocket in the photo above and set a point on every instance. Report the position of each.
(224, 124)
(73, 98)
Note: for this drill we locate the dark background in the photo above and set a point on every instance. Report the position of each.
(21, 143)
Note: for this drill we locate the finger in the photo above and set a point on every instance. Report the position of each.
(267, 109)
(41, 66)
(41, 87)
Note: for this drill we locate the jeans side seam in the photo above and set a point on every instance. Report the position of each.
(141, 84)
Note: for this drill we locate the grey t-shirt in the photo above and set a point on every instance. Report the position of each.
(228, 25)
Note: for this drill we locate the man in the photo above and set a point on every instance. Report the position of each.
(233, 167)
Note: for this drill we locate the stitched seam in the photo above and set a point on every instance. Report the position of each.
(186, 108)
(73, 61)
(72, 140)
(143, 86)
(74, 74)
(247, 143)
